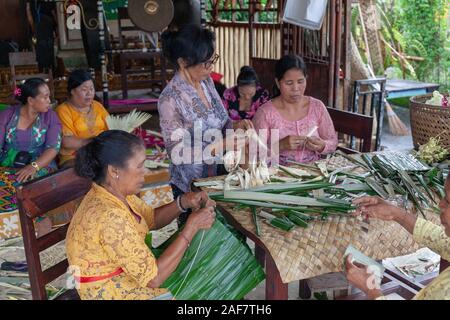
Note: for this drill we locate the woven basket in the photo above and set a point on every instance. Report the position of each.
(428, 121)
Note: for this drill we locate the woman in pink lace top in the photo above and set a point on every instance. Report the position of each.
(305, 129)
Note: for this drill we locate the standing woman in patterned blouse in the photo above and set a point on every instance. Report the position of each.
(243, 100)
(31, 127)
(190, 105)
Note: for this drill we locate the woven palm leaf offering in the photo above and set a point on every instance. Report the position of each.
(128, 122)
(257, 174)
(433, 151)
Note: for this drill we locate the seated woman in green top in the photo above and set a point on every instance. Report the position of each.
(31, 128)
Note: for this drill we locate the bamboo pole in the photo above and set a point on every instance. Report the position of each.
(366, 42)
(337, 66)
(242, 51)
(332, 29)
(104, 71)
(203, 13)
(237, 45)
(369, 18)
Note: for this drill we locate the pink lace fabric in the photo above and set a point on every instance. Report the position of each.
(268, 117)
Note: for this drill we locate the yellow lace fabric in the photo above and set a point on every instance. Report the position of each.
(105, 236)
(433, 236)
(430, 235)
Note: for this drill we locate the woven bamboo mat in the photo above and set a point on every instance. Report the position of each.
(319, 249)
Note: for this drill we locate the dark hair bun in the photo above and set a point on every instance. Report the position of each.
(247, 76)
(86, 164)
(112, 147)
(167, 39)
(30, 88)
(247, 69)
(192, 43)
(77, 78)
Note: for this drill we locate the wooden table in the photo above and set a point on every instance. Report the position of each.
(275, 288)
(320, 248)
(146, 107)
(157, 176)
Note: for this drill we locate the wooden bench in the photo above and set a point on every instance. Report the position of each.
(36, 198)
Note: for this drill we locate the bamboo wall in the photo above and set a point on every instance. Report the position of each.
(232, 44)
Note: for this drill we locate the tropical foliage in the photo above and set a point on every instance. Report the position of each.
(414, 38)
(241, 16)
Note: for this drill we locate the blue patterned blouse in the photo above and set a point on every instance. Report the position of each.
(184, 119)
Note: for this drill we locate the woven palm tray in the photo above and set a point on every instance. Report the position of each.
(319, 249)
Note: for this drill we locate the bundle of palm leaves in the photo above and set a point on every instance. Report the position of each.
(129, 122)
(285, 205)
(290, 204)
(216, 266)
(397, 174)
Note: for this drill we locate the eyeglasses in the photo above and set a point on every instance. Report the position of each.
(207, 64)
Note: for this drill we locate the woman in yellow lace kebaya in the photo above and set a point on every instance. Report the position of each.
(105, 241)
(425, 233)
(81, 116)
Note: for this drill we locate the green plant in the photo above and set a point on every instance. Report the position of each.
(424, 26)
(243, 16)
(415, 38)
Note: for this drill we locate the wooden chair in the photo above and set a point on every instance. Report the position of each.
(123, 17)
(28, 59)
(36, 198)
(370, 93)
(128, 57)
(355, 125)
(150, 57)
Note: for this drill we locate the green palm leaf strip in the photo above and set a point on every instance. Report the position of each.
(279, 198)
(278, 222)
(255, 220)
(224, 267)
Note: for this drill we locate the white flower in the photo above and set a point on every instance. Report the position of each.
(11, 224)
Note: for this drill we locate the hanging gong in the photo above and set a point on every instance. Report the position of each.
(151, 15)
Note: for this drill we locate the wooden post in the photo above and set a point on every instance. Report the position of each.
(37, 281)
(337, 66)
(104, 71)
(347, 52)
(251, 12)
(332, 29)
